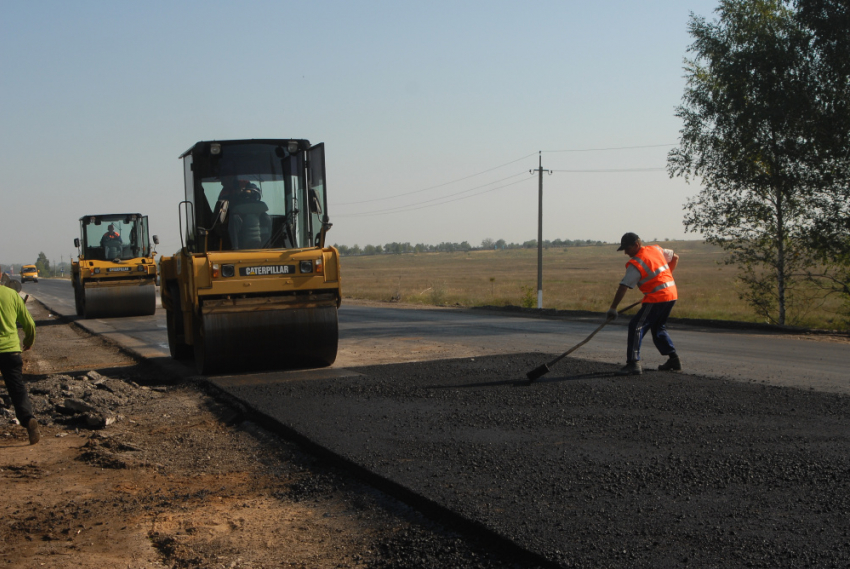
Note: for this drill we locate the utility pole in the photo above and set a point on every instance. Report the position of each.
(540, 171)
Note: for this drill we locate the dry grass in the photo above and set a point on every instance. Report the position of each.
(579, 278)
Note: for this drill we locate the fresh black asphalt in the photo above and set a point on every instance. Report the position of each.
(585, 469)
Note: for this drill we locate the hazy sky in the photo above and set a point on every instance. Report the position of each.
(432, 113)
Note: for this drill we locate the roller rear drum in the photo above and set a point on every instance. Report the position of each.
(266, 339)
(115, 301)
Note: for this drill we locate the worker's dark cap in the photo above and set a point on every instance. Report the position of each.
(628, 240)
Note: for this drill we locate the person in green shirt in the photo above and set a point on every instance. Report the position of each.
(12, 313)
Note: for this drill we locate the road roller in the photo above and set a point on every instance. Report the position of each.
(115, 273)
(29, 273)
(254, 285)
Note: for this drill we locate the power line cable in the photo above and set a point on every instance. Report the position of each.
(455, 194)
(421, 205)
(438, 185)
(606, 170)
(445, 199)
(414, 207)
(612, 148)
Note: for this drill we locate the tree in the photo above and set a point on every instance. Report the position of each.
(42, 264)
(397, 248)
(487, 243)
(748, 135)
(829, 235)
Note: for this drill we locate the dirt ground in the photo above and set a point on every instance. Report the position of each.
(135, 472)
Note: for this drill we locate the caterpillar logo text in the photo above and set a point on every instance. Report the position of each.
(267, 270)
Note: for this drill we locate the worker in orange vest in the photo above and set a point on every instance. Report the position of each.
(650, 268)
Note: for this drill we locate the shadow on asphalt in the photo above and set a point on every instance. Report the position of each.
(562, 378)
(500, 383)
(55, 321)
(524, 382)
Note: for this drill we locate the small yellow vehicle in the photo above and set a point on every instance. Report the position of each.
(29, 273)
(254, 285)
(115, 274)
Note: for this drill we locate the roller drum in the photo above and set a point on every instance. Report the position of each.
(266, 339)
(124, 300)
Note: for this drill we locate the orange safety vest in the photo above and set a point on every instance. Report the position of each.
(112, 235)
(656, 280)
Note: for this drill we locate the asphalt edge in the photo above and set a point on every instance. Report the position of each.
(585, 315)
(555, 314)
(429, 508)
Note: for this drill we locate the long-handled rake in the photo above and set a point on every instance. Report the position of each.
(542, 370)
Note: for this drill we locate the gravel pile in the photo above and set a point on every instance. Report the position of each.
(586, 469)
(90, 400)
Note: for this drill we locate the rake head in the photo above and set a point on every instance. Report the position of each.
(537, 372)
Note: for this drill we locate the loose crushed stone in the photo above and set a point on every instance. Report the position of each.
(587, 469)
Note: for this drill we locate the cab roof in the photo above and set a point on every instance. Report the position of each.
(198, 146)
(110, 216)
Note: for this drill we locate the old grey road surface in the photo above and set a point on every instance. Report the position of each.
(382, 334)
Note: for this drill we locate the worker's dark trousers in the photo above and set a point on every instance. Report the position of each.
(11, 366)
(653, 317)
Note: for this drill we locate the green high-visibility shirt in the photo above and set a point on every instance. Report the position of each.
(12, 313)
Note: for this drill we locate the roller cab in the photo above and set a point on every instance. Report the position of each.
(115, 273)
(253, 286)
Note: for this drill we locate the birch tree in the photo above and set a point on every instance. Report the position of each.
(746, 135)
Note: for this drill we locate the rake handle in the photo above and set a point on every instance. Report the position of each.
(592, 334)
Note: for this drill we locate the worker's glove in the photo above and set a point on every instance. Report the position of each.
(612, 314)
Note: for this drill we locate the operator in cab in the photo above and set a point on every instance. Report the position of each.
(249, 224)
(111, 243)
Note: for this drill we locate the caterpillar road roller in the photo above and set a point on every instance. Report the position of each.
(115, 274)
(254, 286)
(29, 273)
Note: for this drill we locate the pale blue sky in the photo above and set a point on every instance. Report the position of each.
(99, 98)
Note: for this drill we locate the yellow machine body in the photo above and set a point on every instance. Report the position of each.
(117, 279)
(29, 273)
(236, 305)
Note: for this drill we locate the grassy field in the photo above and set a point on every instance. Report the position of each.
(579, 278)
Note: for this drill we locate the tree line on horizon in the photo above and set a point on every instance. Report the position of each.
(396, 248)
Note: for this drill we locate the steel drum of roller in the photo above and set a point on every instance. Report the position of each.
(122, 300)
(266, 339)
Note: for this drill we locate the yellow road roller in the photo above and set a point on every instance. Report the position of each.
(115, 274)
(254, 286)
(29, 273)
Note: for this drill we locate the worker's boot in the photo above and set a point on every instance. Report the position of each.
(631, 368)
(32, 431)
(672, 364)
